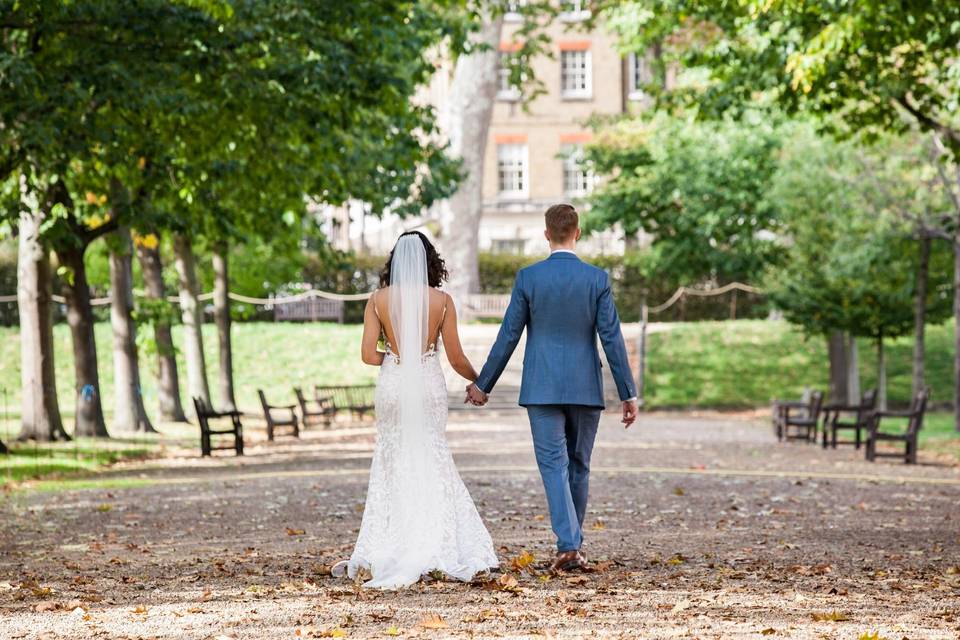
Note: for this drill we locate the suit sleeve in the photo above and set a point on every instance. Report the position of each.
(608, 328)
(514, 321)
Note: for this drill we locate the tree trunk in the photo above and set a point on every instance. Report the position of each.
(192, 315)
(89, 419)
(3, 448)
(956, 334)
(920, 316)
(40, 410)
(168, 381)
(473, 93)
(221, 312)
(881, 376)
(128, 413)
(853, 371)
(838, 356)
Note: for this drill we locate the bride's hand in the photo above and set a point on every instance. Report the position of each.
(475, 396)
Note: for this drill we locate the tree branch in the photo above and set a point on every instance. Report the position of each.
(931, 123)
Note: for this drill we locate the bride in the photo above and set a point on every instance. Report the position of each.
(419, 516)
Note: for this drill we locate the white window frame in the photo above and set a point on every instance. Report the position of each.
(578, 11)
(512, 13)
(634, 62)
(577, 180)
(518, 157)
(517, 246)
(579, 93)
(505, 92)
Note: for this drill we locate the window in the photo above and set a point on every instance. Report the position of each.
(575, 74)
(639, 74)
(577, 180)
(512, 14)
(575, 10)
(511, 246)
(505, 90)
(512, 170)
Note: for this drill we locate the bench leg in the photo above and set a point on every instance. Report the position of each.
(238, 442)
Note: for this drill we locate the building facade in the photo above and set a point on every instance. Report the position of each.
(534, 151)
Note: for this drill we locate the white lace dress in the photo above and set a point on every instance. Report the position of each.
(419, 516)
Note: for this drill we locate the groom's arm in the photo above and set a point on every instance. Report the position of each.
(514, 320)
(608, 328)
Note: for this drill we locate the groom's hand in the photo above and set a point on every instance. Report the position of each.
(629, 413)
(475, 396)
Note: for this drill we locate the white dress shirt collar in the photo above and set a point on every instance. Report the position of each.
(563, 251)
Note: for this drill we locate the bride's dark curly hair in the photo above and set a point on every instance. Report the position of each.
(436, 269)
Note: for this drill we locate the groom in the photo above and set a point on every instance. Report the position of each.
(564, 304)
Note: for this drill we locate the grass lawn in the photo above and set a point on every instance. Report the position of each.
(747, 363)
(704, 364)
(34, 460)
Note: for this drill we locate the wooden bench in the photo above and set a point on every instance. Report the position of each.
(320, 413)
(357, 399)
(204, 415)
(858, 420)
(309, 310)
(798, 420)
(914, 417)
(488, 305)
(273, 421)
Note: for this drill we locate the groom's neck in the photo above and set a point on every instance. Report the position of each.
(564, 246)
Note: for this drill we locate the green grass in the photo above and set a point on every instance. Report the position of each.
(747, 363)
(31, 460)
(694, 365)
(271, 356)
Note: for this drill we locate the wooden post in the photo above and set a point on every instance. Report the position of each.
(642, 354)
(733, 305)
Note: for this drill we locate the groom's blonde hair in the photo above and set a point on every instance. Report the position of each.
(562, 222)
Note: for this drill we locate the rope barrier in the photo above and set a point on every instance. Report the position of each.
(236, 297)
(702, 292)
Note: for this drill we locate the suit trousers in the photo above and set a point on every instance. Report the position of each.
(563, 437)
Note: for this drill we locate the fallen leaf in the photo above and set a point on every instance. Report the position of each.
(678, 491)
(769, 631)
(295, 532)
(103, 508)
(392, 631)
(681, 606)
(434, 621)
(832, 616)
(599, 525)
(48, 605)
(522, 561)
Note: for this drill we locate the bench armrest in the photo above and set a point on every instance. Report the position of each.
(894, 414)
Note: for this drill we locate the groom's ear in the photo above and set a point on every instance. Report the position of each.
(578, 234)
(546, 234)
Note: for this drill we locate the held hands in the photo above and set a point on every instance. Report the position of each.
(475, 396)
(629, 413)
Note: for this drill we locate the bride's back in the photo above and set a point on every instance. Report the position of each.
(437, 304)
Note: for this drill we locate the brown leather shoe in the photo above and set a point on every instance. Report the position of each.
(566, 561)
(582, 563)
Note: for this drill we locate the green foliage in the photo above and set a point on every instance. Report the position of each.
(851, 265)
(698, 188)
(880, 66)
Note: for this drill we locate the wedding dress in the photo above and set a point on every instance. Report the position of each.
(419, 516)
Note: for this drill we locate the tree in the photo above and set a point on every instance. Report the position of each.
(699, 188)
(876, 66)
(851, 262)
(160, 313)
(40, 413)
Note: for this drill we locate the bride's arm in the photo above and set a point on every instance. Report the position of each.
(371, 335)
(451, 344)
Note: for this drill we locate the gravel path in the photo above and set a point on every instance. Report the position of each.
(702, 527)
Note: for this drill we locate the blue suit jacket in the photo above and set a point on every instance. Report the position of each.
(564, 303)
